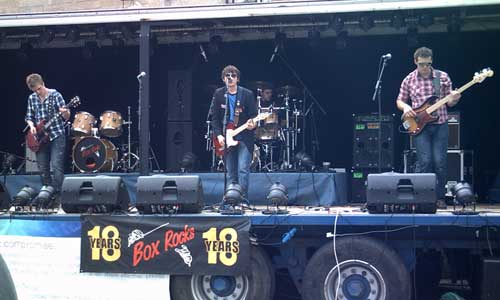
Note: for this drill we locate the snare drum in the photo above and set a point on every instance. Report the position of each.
(83, 123)
(91, 154)
(111, 124)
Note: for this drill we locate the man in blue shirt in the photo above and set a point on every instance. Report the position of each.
(44, 104)
(242, 107)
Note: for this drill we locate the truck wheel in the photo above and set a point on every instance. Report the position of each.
(368, 270)
(258, 284)
(7, 288)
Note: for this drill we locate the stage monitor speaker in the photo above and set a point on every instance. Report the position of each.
(5, 200)
(164, 193)
(96, 194)
(401, 193)
(365, 142)
(490, 289)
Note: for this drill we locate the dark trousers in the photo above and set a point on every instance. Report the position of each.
(52, 156)
(432, 147)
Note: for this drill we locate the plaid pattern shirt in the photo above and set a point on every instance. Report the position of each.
(418, 89)
(38, 111)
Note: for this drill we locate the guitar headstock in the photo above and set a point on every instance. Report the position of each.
(74, 102)
(480, 76)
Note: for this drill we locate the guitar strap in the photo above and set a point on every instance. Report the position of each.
(237, 111)
(436, 82)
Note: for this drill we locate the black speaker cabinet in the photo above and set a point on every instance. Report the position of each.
(366, 145)
(490, 289)
(95, 194)
(5, 200)
(159, 193)
(401, 193)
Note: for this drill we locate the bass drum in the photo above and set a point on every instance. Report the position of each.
(91, 154)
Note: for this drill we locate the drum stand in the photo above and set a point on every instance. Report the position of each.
(126, 161)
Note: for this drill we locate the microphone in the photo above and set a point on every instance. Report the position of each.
(142, 74)
(274, 53)
(387, 56)
(202, 52)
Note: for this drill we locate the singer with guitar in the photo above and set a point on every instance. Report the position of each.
(432, 142)
(44, 104)
(237, 105)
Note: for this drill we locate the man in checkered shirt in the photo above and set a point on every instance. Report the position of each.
(43, 104)
(432, 143)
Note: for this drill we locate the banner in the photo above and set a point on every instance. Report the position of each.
(165, 245)
(43, 259)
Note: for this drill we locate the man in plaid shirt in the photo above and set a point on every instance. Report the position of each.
(432, 143)
(43, 104)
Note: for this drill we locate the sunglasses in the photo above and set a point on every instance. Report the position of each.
(231, 75)
(424, 64)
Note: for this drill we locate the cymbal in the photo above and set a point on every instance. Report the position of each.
(254, 85)
(289, 90)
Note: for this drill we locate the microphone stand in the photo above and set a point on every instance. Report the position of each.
(224, 148)
(377, 94)
(315, 101)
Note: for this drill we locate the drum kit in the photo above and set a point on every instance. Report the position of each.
(277, 135)
(93, 151)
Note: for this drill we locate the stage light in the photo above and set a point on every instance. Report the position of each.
(314, 37)
(45, 195)
(366, 22)
(101, 33)
(454, 23)
(214, 44)
(338, 23)
(341, 40)
(73, 34)
(24, 196)
(278, 194)
(303, 161)
(127, 33)
(398, 21)
(426, 20)
(188, 162)
(47, 36)
(463, 193)
(233, 194)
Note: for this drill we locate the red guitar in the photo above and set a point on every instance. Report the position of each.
(35, 141)
(231, 132)
(425, 113)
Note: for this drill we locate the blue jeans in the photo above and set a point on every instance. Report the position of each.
(238, 166)
(51, 156)
(432, 147)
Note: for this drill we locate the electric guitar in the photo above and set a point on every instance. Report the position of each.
(231, 132)
(426, 113)
(41, 137)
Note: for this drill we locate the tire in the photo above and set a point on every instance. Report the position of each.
(7, 288)
(259, 284)
(369, 270)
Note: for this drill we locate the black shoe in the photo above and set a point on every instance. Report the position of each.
(441, 204)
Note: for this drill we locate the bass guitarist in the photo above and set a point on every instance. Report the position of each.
(432, 143)
(43, 104)
(241, 108)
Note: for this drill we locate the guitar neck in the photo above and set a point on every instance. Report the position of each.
(445, 100)
(244, 126)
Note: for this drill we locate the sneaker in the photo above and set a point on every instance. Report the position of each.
(441, 204)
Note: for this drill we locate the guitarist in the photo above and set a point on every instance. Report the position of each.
(242, 107)
(432, 143)
(43, 104)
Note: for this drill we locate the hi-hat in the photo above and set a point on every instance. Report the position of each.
(287, 90)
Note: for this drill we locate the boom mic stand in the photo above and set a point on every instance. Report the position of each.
(311, 106)
(377, 94)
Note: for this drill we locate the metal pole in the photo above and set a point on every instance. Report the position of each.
(144, 135)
